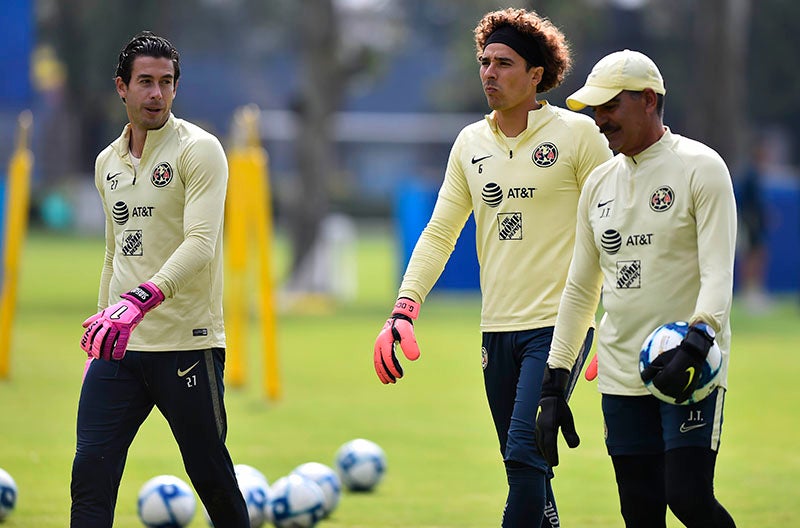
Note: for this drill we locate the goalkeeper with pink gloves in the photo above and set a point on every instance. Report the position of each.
(520, 172)
(158, 337)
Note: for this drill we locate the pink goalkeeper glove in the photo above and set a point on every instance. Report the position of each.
(107, 332)
(398, 328)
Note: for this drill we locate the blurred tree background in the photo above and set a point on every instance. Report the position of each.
(360, 96)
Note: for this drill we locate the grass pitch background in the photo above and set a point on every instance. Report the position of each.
(444, 466)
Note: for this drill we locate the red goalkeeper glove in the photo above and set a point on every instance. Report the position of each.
(399, 328)
(107, 332)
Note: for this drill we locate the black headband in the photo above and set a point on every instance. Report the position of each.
(523, 44)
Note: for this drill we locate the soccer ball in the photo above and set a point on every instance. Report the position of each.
(255, 490)
(296, 502)
(256, 496)
(166, 501)
(361, 464)
(668, 336)
(326, 478)
(243, 470)
(8, 494)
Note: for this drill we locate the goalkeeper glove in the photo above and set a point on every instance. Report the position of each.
(554, 413)
(399, 328)
(107, 332)
(676, 372)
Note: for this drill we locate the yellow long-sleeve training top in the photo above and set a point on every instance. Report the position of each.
(164, 224)
(658, 232)
(523, 192)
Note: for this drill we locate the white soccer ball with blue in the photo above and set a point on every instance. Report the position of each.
(255, 490)
(361, 464)
(296, 502)
(166, 501)
(327, 479)
(243, 470)
(256, 496)
(668, 336)
(8, 494)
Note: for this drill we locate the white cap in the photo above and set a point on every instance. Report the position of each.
(621, 70)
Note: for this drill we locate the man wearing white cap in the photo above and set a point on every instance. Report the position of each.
(656, 233)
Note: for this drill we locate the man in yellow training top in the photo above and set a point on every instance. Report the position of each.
(162, 184)
(657, 232)
(519, 172)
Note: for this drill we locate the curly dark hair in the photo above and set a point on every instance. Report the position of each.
(146, 44)
(555, 51)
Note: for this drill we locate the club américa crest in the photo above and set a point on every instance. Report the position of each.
(662, 199)
(545, 155)
(162, 174)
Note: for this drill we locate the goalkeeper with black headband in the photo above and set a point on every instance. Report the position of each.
(520, 172)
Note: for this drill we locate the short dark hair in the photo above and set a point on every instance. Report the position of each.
(659, 101)
(146, 44)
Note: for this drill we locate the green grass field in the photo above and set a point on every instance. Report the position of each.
(444, 470)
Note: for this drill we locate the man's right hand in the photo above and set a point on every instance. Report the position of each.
(554, 413)
(107, 332)
(399, 328)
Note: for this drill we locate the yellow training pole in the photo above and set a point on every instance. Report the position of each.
(236, 312)
(269, 327)
(261, 205)
(17, 197)
(248, 217)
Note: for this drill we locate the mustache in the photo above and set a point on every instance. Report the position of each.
(607, 129)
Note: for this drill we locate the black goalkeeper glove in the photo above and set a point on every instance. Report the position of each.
(676, 372)
(553, 414)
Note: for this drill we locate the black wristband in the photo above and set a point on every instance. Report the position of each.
(402, 316)
(697, 343)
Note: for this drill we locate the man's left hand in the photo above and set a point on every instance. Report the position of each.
(676, 372)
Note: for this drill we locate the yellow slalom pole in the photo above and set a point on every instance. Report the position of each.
(17, 198)
(269, 327)
(249, 216)
(260, 214)
(236, 313)
(262, 209)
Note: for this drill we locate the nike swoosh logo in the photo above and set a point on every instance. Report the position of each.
(182, 373)
(690, 371)
(603, 204)
(686, 428)
(476, 160)
(110, 176)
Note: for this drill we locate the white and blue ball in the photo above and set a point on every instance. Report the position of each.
(166, 501)
(255, 491)
(361, 464)
(327, 479)
(296, 502)
(243, 470)
(256, 496)
(8, 494)
(668, 336)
